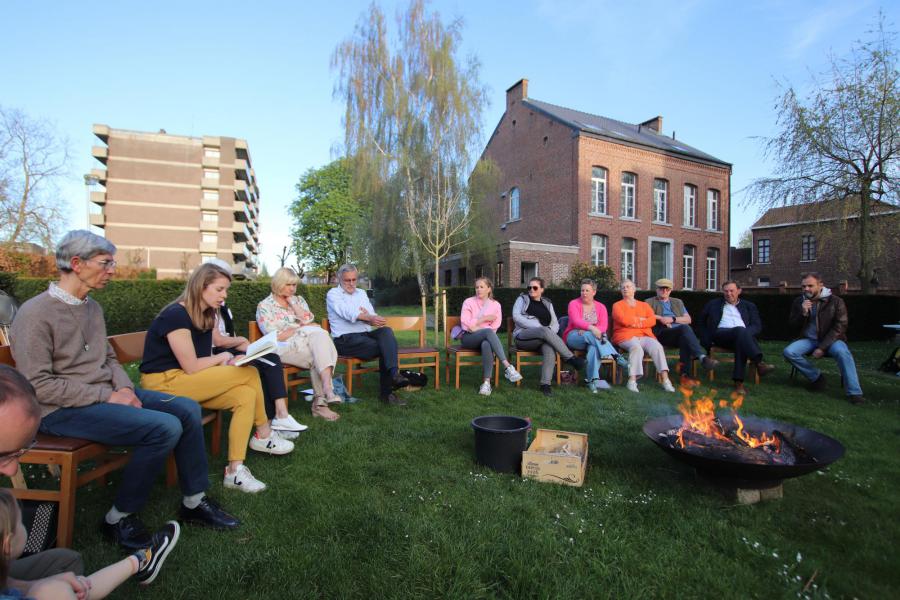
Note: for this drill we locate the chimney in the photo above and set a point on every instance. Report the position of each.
(519, 91)
(655, 123)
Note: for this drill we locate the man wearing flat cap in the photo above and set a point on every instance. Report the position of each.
(673, 328)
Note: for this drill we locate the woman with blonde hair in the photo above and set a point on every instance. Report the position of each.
(307, 345)
(178, 360)
(480, 318)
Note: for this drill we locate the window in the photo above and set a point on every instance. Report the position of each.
(690, 206)
(629, 181)
(205, 257)
(211, 152)
(448, 277)
(514, 204)
(529, 271)
(627, 259)
(210, 173)
(211, 195)
(598, 249)
(712, 210)
(598, 191)
(687, 267)
(499, 275)
(762, 251)
(660, 260)
(660, 200)
(210, 216)
(763, 282)
(808, 248)
(712, 269)
(210, 238)
(479, 271)
(462, 276)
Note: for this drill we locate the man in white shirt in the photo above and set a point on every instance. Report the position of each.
(733, 323)
(359, 332)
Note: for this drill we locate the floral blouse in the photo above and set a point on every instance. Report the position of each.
(271, 316)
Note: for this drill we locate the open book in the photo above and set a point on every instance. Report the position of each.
(264, 345)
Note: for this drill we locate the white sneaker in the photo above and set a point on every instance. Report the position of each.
(512, 375)
(286, 435)
(271, 445)
(631, 386)
(243, 480)
(485, 389)
(667, 385)
(288, 423)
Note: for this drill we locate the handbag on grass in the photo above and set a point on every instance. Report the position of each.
(40, 520)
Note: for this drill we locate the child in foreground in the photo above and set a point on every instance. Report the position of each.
(144, 564)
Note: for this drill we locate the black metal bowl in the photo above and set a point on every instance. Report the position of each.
(820, 449)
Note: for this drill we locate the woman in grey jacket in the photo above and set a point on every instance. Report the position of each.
(536, 328)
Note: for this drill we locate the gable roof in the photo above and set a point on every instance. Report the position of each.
(828, 210)
(620, 132)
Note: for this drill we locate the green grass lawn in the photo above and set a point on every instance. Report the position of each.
(388, 503)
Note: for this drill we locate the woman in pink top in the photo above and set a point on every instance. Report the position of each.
(480, 319)
(587, 331)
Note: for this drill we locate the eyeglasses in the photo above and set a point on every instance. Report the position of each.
(106, 265)
(349, 280)
(8, 457)
(662, 287)
(534, 287)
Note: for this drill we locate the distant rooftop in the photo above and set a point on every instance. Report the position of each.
(828, 210)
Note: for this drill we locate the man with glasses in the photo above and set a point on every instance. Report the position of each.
(59, 344)
(20, 416)
(359, 332)
(673, 328)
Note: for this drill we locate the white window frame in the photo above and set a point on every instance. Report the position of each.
(759, 257)
(599, 249)
(211, 195)
(209, 216)
(660, 201)
(537, 268)
(669, 259)
(211, 152)
(713, 212)
(629, 258)
(712, 270)
(210, 174)
(688, 266)
(514, 204)
(690, 205)
(628, 197)
(598, 191)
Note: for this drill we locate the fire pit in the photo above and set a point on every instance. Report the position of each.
(741, 452)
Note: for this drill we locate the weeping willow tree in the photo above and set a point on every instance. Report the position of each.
(412, 118)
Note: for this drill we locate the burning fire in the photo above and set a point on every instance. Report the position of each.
(699, 418)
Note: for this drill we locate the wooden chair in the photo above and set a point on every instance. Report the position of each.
(293, 376)
(462, 357)
(67, 455)
(129, 347)
(419, 357)
(716, 351)
(524, 357)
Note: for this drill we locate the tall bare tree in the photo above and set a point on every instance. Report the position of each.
(32, 161)
(412, 119)
(841, 142)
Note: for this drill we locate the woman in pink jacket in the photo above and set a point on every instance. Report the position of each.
(587, 328)
(480, 319)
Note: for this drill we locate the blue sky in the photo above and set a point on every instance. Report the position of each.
(261, 71)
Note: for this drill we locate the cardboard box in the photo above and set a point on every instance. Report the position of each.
(557, 457)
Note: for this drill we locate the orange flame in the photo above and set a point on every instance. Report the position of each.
(699, 417)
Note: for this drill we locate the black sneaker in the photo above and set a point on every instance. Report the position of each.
(709, 364)
(819, 384)
(151, 559)
(393, 399)
(398, 381)
(577, 362)
(129, 533)
(857, 399)
(208, 514)
(546, 390)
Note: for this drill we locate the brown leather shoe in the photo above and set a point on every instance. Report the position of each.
(856, 400)
(819, 384)
(393, 400)
(739, 388)
(764, 368)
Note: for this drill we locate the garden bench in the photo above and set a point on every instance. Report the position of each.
(418, 357)
(462, 355)
(293, 376)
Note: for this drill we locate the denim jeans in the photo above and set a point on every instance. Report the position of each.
(596, 350)
(796, 353)
(682, 337)
(165, 424)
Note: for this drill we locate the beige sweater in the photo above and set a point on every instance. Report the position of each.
(48, 345)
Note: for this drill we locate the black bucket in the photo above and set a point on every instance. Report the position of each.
(500, 441)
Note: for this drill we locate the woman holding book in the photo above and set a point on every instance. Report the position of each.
(306, 345)
(178, 360)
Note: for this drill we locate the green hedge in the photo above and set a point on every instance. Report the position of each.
(867, 313)
(130, 305)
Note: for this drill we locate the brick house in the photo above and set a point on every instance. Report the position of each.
(822, 237)
(577, 187)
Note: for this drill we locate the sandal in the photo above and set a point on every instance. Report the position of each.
(333, 400)
(323, 412)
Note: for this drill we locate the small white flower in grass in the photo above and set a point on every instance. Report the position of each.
(799, 557)
(775, 555)
(571, 540)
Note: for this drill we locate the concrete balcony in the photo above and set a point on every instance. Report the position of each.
(240, 212)
(240, 170)
(211, 226)
(240, 190)
(239, 250)
(102, 132)
(210, 162)
(240, 232)
(208, 246)
(99, 175)
(210, 183)
(252, 245)
(98, 220)
(208, 204)
(253, 227)
(101, 153)
(98, 198)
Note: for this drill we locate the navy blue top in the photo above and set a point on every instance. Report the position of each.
(158, 355)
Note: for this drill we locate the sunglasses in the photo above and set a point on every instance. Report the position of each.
(534, 287)
(8, 457)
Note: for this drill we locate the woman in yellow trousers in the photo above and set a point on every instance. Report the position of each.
(178, 360)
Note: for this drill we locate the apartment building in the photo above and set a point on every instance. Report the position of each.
(578, 187)
(171, 202)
